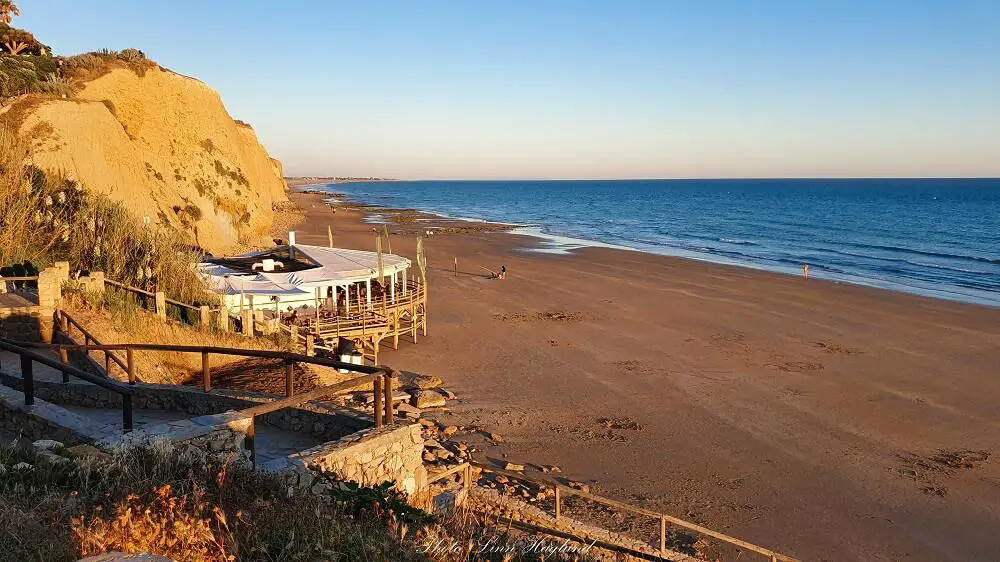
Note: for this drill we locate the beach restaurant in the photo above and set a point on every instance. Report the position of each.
(323, 292)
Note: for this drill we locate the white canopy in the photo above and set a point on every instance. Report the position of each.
(335, 265)
(250, 286)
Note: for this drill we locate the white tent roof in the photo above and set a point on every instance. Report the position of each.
(250, 286)
(344, 264)
(338, 265)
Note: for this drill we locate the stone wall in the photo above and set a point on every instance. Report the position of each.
(50, 282)
(220, 437)
(21, 323)
(44, 420)
(370, 457)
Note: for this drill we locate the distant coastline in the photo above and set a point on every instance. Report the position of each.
(294, 181)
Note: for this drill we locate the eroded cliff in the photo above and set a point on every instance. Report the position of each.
(165, 145)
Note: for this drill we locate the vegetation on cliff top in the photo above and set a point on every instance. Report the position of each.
(46, 216)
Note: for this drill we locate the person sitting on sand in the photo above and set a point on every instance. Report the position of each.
(503, 271)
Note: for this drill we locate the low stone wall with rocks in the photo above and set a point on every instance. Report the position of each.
(325, 421)
(219, 437)
(369, 457)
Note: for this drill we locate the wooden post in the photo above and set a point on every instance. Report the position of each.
(663, 535)
(29, 380)
(558, 504)
(329, 235)
(247, 322)
(222, 321)
(206, 317)
(310, 345)
(107, 362)
(289, 381)
(456, 266)
(387, 241)
(206, 372)
(377, 390)
(249, 442)
(130, 361)
(389, 414)
(64, 357)
(295, 337)
(161, 305)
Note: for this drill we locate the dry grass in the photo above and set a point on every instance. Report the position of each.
(150, 499)
(46, 216)
(120, 323)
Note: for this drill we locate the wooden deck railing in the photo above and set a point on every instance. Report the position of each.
(663, 519)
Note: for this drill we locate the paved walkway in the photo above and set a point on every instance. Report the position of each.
(269, 442)
(18, 300)
(10, 362)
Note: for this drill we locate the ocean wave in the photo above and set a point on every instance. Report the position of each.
(739, 242)
(902, 249)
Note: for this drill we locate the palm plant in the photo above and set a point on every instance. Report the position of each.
(7, 11)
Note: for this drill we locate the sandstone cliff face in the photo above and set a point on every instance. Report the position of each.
(165, 145)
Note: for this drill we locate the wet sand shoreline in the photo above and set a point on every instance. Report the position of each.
(818, 418)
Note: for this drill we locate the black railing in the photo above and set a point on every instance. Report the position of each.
(29, 358)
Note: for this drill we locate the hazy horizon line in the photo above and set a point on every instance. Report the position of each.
(741, 178)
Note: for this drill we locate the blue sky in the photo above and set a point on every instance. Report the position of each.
(580, 89)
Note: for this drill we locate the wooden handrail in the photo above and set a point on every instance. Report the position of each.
(22, 278)
(114, 283)
(70, 321)
(182, 305)
(27, 377)
(774, 556)
(262, 353)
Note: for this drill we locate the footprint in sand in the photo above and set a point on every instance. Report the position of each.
(836, 348)
(796, 366)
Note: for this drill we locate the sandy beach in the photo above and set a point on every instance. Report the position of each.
(827, 421)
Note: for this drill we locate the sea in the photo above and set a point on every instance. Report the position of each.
(932, 237)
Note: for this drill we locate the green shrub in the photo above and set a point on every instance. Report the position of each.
(377, 501)
(58, 86)
(132, 55)
(17, 76)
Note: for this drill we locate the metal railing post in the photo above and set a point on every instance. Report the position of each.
(29, 380)
(127, 412)
(289, 382)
